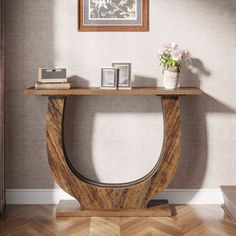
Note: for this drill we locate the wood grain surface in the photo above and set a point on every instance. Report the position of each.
(97, 196)
(71, 208)
(158, 91)
(190, 220)
(2, 78)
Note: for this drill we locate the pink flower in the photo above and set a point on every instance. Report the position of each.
(170, 46)
(177, 54)
(159, 54)
(171, 56)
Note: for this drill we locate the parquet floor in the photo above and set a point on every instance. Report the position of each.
(24, 220)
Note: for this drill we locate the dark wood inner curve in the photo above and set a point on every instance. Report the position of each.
(93, 195)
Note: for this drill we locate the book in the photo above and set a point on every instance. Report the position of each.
(52, 85)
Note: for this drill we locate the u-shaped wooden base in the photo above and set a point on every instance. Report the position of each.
(96, 196)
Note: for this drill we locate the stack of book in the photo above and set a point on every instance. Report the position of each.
(40, 85)
(52, 79)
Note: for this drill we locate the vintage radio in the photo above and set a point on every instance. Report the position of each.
(56, 75)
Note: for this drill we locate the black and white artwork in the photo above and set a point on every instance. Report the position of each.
(110, 13)
(113, 9)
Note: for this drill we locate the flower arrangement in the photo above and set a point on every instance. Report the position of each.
(171, 57)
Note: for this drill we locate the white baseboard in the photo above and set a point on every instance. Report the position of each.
(192, 196)
(53, 196)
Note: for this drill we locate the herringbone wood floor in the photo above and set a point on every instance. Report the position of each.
(24, 220)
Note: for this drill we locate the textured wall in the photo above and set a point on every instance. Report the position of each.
(118, 139)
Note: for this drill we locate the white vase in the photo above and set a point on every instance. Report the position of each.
(171, 78)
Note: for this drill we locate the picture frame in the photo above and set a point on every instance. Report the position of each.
(109, 77)
(117, 15)
(124, 74)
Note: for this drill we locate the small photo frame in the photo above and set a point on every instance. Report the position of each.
(124, 74)
(109, 78)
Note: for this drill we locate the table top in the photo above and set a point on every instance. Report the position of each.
(158, 91)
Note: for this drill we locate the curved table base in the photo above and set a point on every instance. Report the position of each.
(97, 196)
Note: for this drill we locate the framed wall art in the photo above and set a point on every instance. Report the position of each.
(113, 15)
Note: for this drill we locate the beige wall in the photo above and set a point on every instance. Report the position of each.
(119, 139)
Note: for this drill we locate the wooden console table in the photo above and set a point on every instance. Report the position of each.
(128, 199)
